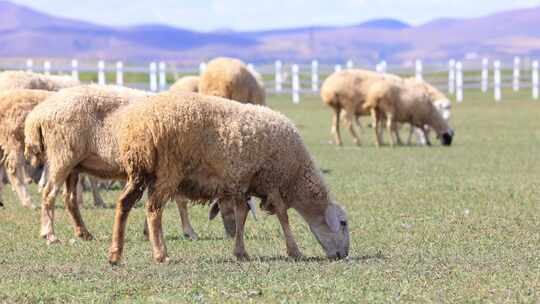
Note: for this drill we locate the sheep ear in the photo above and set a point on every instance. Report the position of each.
(214, 210)
(252, 207)
(331, 218)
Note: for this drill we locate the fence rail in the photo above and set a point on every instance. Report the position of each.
(305, 78)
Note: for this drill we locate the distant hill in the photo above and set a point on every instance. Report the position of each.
(27, 33)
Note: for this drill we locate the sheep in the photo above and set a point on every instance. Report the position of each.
(74, 132)
(186, 84)
(14, 107)
(10, 80)
(230, 78)
(346, 91)
(28, 80)
(441, 102)
(402, 103)
(207, 147)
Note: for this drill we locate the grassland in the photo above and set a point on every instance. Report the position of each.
(458, 224)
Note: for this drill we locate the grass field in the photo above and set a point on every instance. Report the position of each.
(458, 224)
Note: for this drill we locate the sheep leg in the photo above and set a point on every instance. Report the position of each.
(390, 127)
(154, 213)
(50, 191)
(376, 127)
(98, 200)
(80, 191)
(132, 193)
(281, 211)
(398, 137)
(411, 133)
(425, 132)
(226, 209)
(181, 203)
(17, 182)
(44, 178)
(350, 125)
(240, 211)
(335, 126)
(72, 206)
(2, 174)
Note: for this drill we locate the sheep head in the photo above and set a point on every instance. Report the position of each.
(331, 229)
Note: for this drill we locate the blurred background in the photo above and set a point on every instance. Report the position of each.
(331, 31)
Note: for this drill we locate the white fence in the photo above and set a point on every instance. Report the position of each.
(456, 77)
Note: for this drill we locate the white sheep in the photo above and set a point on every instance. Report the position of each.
(207, 147)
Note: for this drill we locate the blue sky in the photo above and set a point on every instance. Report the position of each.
(262, 14)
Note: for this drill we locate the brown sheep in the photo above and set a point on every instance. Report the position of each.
(230, 78)
(402, 103)
(186, 84)
(10, 80)
(74, 132)
(206, 147)
(346, 91)
(28, 80)
(14, 107)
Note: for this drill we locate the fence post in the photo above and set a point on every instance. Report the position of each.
(153, 77)
(120, 74)
(517, 72)
(278, 76)
(350, 64)
(459, 82)
(384, 66)
(315, 75)
(162, 76)
(419, 69)
(47, 67)
(497, 80)
(202, 67)
(75, 69)
(535, 79)
(101, 72)
(29, 65)
(295, 84)
(337, 68)
(452, 76)
(485, 75)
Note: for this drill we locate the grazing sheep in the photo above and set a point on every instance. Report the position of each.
(346, 91)
(402, 103)
(206, 147)
(230, 78)
(441, 102)
(186, 84)
(28, 80)
(14, 107)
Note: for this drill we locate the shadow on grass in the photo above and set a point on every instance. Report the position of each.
(274, 259)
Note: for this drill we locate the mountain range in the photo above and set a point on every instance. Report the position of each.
(25, 33)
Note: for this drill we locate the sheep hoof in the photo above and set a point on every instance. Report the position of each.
(85, 235)
(242, 256)
(161, 259)
(52, 239)
(191, 236)
(114, 257)
(296, 255)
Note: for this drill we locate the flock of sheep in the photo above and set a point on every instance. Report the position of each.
(208, 139)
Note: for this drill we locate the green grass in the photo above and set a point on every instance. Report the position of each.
(458, 224)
